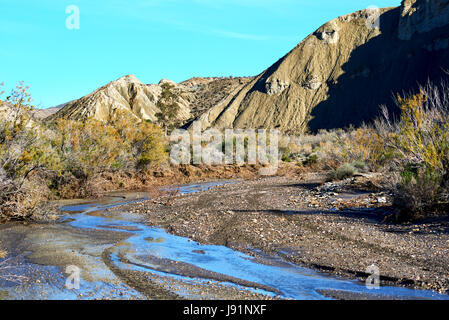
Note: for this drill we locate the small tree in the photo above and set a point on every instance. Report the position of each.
(168, 106)
(23, 149)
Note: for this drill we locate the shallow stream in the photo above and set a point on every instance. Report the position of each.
(119, 257)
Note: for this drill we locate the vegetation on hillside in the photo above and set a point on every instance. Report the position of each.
(169, 107)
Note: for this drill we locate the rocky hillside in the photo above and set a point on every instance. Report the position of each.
(140, 100)
(5, 110)
(338, 76)
(210, 92)
(45, 113)
(39, 114)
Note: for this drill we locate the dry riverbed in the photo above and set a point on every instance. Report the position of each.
(339, 228)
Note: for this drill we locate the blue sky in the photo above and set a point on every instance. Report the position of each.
(153, 39)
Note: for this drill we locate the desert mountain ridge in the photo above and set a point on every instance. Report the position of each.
(336, 77)
(129, 94)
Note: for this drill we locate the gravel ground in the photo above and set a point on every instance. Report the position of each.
(339, 228)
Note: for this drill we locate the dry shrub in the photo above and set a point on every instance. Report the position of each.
(314, 151)
(332, 149)
(23, 150)
(418, 144)
(417, 199)
(365, 145)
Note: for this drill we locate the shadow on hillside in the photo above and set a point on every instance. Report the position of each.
(377, 71)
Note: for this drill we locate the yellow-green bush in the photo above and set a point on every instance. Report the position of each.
(143, 141)
(419, 143)
(23, 150)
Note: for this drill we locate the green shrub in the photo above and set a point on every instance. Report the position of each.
(345, 171)
(409, 173)
(360, 165)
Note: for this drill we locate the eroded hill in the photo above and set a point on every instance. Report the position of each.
(140, 100)
(337, 77)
